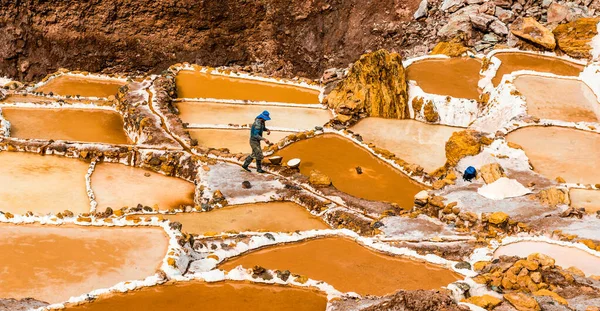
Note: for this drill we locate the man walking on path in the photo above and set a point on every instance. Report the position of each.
(256, 136)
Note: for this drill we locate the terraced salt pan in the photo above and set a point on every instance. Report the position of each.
(237, 141)
(555, 151)
(347, 266)
(282, 117)
(194, 84)
(565, 256)
(52, 263)
(589, 199)
(413, 141)
(514, 61)
(558, 99)
(74, 85)
(28, 98)
(85, 125)
(275, 217)
(338, 158)
(199, 296)
(456, 77)
(42, 184)
(118, 185)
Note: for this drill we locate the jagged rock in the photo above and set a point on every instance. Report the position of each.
(317, 178)
(422, 197)
(430, 113)
(555, 296)
(260, 272)
(486, 301)
(283, 275)
(175, 226)
(553, 196)
(543, 260)
(557, 13)
(522, 302)
(504, 15)
(529, 29)
(10, 304)
(462, 265)
(417, 300)
(498, 218)
(218, 195)
(499, 28)
(481, 21)
(462, 144)
(573, 38)
(376, 86)
(459, 23)
(453, 48)
(491, 172)
(573, 212)
(451, 5)
(421, 10)
(503, 3)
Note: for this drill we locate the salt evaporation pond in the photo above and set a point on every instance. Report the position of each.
(273, 217)
(282, 117)
(558, 99)
(456, 77)
(83, 125)
(338, 157)
(561, 152)
(42, 100)
(234, 140)
(86, 87)
(117, 185)
(565, 256)
(588, 199)
(413, 141)
(220, 296)
(194, 84)
(514, 61)
(42, 184)
(52, 263)
(348, 266)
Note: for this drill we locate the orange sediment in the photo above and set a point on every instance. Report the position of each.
(456, 77)
(86, 87)
(514, 61)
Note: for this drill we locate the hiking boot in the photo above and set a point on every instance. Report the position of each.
(246, 164)
(259, 167)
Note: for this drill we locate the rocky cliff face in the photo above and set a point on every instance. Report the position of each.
(284, 38)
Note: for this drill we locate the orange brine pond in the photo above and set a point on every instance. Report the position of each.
(194, 84)
(221, 296)
(52, 264)
(117, 185)
(274, 217)
(514, 61)
(338, 157)
(283, 117)
(42, 184)
(28, 98)
(410, 140)
(588, 199)
(456, 77)
(86, 87)
(558, 99)
(347, 266)
(237, 141)
(561, 152)
(84, 125)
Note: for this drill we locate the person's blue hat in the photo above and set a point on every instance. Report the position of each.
(264, 115)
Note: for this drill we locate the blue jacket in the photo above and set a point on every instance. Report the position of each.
(257, 129)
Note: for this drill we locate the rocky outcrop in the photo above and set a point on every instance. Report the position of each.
(574, 38)
(24, 304)
(529, 29)
(464, 143)
(416, 300)
(454, 48)
(375, 86)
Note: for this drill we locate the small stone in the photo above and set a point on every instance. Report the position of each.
(463, 265)
(283, 275)
(359, 170)
(522, 302)
(498, 218)
(175, 226)
(246, 184)
(147, 174)
(317, 178)
(557, 13)
(576, 271)
(486, 301)
(269, 236)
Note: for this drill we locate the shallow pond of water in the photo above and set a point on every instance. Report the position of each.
(283, 117)
(194, 84)
(456, 77)
(86, 87)
(52, 263)
(117, 185)
(589, 199)
(237, 141)
(565, 256)
(348, 266)
(558, 99)
(413, 141)
(512, 61)
(556, 151)
(338, 158)
(221, 296)
(84, 125)
(42, 184)
(274, 217)
(19, 98)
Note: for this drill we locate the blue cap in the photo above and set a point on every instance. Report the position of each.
(264, 115)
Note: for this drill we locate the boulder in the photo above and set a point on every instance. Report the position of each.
(499, 28)
(498, 218)
(504, 15)
(522, 302)
(462, 144)
(421, 10)
(544, 260)
(317, 178)
(573, 38)
(451, 5)
(503, 3)
(529, 29)
(491, 172)
(375, 86)
(487, 302)
(459, 23)
(481, 21)
(557, 13)
(453, 48)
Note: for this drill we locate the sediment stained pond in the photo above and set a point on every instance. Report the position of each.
(274, 217)
(86, 87)
(194, 84)
(237, 141)
(52, 263)
(456, 77)
(348, 266)
(83, 125)
(413, 141)
(42, 184)
(338, 158)
(588, 199)
(561, 152)
(514, 61)
(19, 98)
(118, 185)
